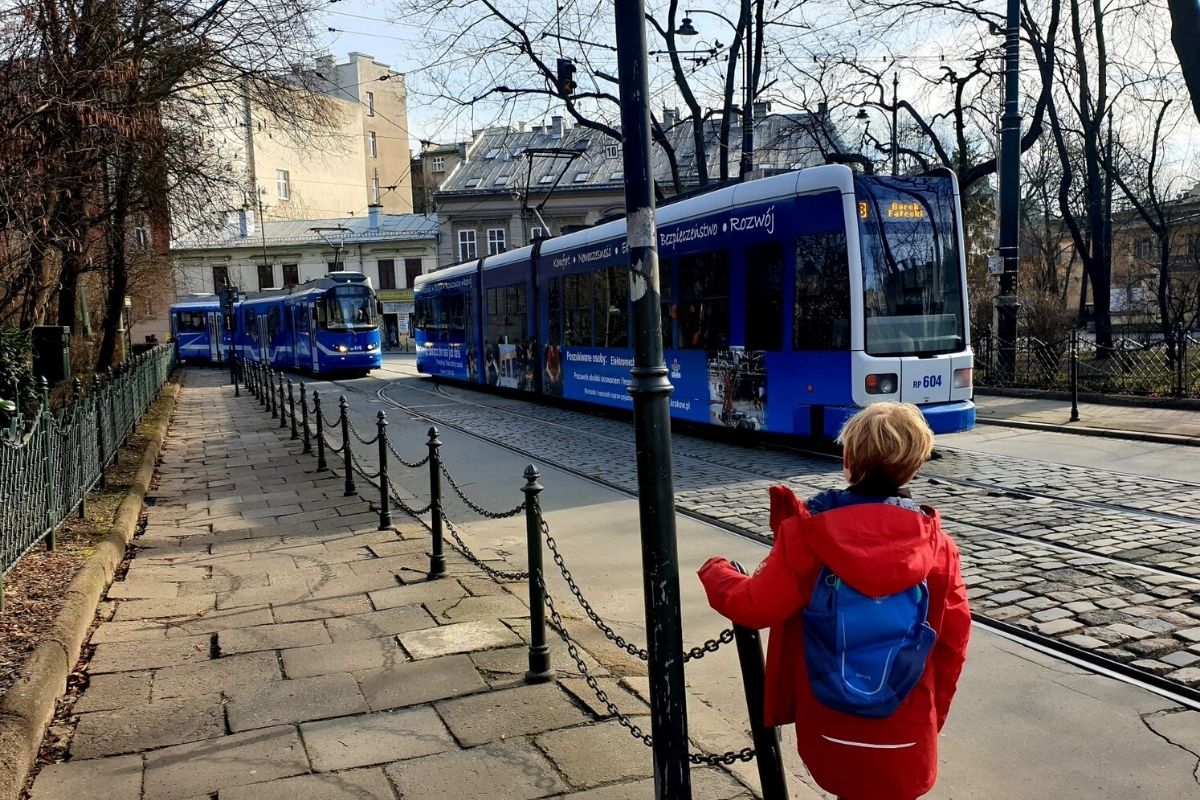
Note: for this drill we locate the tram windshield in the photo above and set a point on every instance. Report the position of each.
(350, 308)
(912, 280)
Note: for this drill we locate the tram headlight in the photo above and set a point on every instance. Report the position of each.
(881, 383)
(369, 346)
(343, 349)
(962, 378)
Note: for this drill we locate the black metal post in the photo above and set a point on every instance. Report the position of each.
(347, 451)
(98, 403)
(539, 652)
(282, 404)
(767, 751)
(292, 408)
(385, 512)
(233, 373)
(81, 475)
(112, 416)
(746, 163)
(321, 465)
(437, 558)
(895, 124)
(304, 418)
(652, 420)
(1074, 375)
(264, 376)
(1010, 177)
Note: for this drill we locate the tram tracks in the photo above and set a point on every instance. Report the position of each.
(1119, 577)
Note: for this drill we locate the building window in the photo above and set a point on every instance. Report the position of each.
(372, 144)
(291, 274)
(412, 269)
(496, 242)
(266, 277)
(370, 104)
(220, 277)
(580, 177)
(141, 236)
(1145, 248)
(282, 184)
(466, 245)
(439, 163)
(387, 273)
(375, 190)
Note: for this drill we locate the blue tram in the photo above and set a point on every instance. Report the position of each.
(328, 325)
(787, 304)
(199, 331)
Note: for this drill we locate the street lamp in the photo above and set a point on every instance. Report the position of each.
(746, 164)
(863, 117)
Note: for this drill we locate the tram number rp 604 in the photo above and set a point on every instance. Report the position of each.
(928, 382)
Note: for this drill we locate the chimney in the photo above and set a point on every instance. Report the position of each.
(822, 109)
(373, 216)
(556, 126)
(762, 108)
(245, 223)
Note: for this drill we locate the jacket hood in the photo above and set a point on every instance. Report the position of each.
(877, 548)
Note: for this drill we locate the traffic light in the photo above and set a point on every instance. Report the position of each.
(566, 77)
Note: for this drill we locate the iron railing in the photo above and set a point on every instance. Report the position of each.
(1162, 366)
(49, 462)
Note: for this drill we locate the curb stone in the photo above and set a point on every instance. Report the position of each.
(1084, 430)
(28, 706)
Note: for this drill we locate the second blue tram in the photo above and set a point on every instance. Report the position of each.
(324, 326)
(787, 304)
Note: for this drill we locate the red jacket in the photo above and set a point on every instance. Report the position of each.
(878, 549)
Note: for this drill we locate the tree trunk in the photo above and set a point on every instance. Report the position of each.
(1185, 34)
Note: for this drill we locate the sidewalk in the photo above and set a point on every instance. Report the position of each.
(1167, 425)
(268, 642)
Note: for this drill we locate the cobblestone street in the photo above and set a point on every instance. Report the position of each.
(1104, 562)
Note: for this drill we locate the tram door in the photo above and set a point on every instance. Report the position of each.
(214, 336)
(312, 340)
(264, 341)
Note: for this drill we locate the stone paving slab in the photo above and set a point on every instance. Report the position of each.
(201, 768)
(420, 682)
(707, 784)
(115, 690)
(522, 711)
(353, 656)
(144, 726)
(99, 779)
(388, 622)
(462, 637)
(263, 705)
(358, 784)
(272, 637)
(322, 609)
(222, 674)
(512, 770)
(138, 655)
(359, 741)
(596, 754)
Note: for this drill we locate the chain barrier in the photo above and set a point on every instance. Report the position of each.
(401, 459)
(709, 646)
(700, 759)
(481, 511)
(361, 470)
(373, 440)
(331, 448)
(416, 512)
(496, 574)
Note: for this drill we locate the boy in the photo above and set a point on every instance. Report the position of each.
(876, 540)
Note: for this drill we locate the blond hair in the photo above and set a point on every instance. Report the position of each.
(886, 441)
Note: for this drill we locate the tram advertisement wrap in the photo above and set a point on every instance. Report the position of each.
(445, 358)
(594, 375)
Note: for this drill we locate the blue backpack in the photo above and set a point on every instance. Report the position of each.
(865, 654)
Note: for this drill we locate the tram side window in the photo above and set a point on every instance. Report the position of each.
(821, 317)
(251, 323)
(578, 295)
(611, 287)
(272, 322)
(191, 322)
(764, 297)
(506, 317)
(704, 296)
(554, 309)
(666, 288)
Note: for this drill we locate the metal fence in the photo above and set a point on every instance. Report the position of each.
(49, 462)
(1155, 367)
